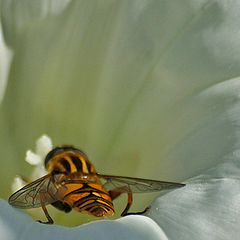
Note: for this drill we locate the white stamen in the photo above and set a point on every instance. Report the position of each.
(43, 146)
(17, 183)
(32, 158)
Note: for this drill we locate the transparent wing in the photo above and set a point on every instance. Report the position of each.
(136, 185)
(44, 190)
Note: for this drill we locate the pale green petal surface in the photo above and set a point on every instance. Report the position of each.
(116, 79)
(146, 88)
(208, 206)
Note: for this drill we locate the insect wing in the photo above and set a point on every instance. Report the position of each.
(44, 191)
(137, 185)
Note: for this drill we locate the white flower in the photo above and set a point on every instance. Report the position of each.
(146, 88)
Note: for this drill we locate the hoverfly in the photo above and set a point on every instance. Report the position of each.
(72, 182)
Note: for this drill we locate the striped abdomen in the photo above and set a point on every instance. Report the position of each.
(90, 198)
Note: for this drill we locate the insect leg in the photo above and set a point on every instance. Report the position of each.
(50, 220)
(138, 213)
(118, 191)
(129, 203)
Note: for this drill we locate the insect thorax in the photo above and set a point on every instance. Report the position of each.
(68, 159)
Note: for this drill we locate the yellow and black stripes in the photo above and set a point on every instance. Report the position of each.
(94, 201)
(72, 182)
(85, 192)
(77, 163)
(65, 165)
(95, 205)
(68, 159)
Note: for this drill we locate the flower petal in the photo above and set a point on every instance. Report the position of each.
(204, 209)
(17, 225)
(118, 76)
(5, 60)
(208, 206)
(19, 15)
(120, 80)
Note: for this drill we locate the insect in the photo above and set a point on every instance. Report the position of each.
(72, 182)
